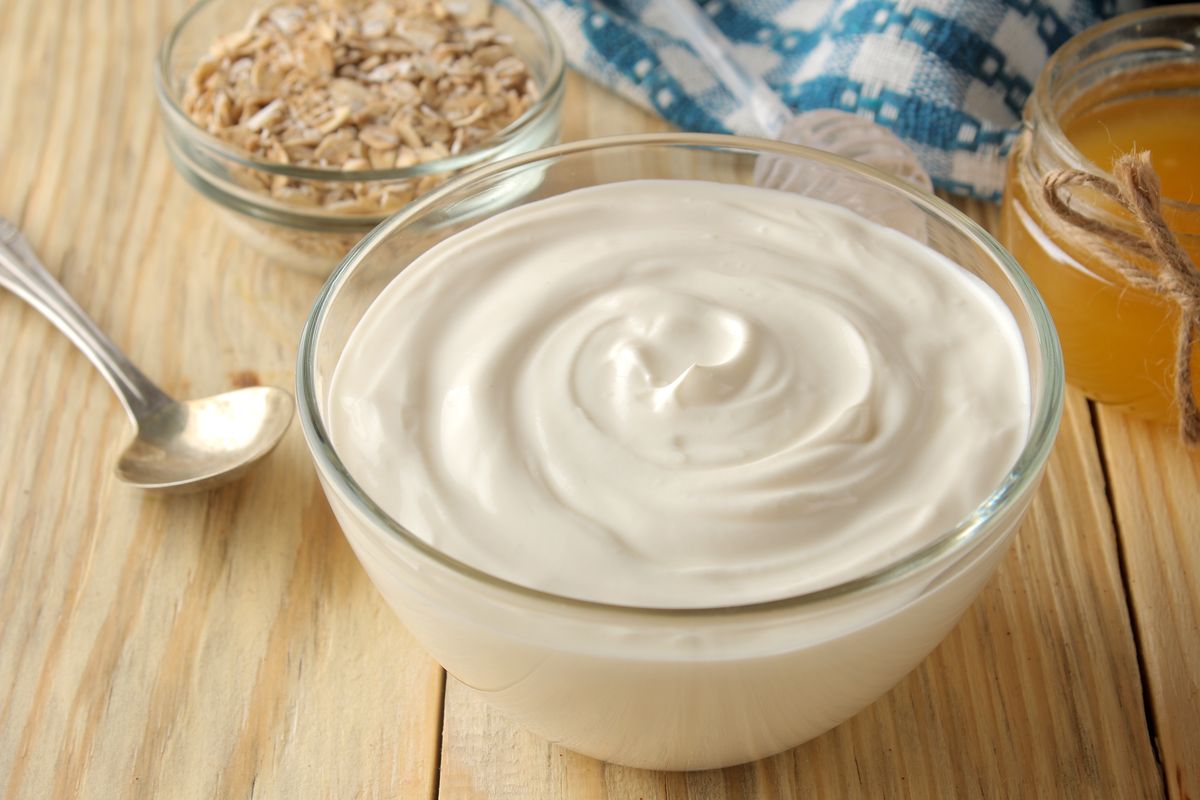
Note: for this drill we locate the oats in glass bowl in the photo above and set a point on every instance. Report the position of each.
(316, 119)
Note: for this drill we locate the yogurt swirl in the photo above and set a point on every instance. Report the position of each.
(680, 394)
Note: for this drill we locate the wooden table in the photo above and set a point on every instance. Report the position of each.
(229, 645)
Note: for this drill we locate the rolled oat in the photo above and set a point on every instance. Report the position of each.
(357, 85)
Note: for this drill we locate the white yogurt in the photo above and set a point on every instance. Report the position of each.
(680, 394)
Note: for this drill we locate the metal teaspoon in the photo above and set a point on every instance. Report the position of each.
(178, 446)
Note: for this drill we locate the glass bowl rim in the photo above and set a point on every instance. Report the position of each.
(974, 528)
(1040, 105)
(548, 97)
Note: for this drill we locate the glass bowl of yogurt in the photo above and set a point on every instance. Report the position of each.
(673, 468)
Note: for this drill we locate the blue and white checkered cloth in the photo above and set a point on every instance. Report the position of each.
(948, 76)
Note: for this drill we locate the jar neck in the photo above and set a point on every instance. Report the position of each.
(1155, 51)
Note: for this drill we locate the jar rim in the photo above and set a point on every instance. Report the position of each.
(1039, 114)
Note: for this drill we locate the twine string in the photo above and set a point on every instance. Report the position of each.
(1137, 189)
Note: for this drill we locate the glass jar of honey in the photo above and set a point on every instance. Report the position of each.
(1130, 83)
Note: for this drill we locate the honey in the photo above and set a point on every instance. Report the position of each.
(1119, 343)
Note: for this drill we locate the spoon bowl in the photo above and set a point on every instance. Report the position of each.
(179, 446)
(199, 444)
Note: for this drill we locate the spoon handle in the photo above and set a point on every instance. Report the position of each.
(23, 274)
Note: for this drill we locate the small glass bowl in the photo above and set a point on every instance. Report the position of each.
(313, 239)
(690, 688)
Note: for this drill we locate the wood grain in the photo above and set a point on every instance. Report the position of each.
(229, 645)
(1156, 490)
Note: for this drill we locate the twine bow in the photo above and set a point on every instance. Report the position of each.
(1138, 191)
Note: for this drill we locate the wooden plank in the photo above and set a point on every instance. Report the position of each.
(226, 645)
(1036, 693)
(1156, 491)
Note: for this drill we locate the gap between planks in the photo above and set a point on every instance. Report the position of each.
(435, 785)
(1155, 483)
(1135, 621)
